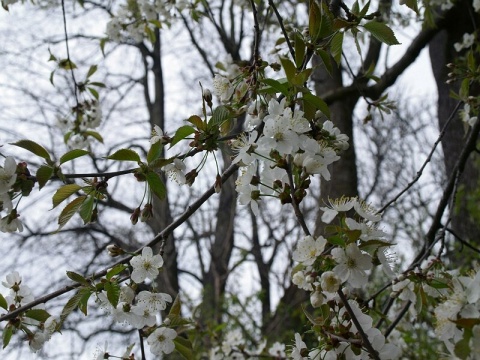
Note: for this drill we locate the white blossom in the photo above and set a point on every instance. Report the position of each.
(161, 341)
(352, 264)
(8, 174)
(145, 265)
(308, 249)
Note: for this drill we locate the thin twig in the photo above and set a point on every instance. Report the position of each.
(284, 31)
(427, 160)
(68, 52)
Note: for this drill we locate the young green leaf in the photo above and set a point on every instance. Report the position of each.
(336, 47)
(7, 335)
(70, 210)
(3, 302)
(72, 154)
(125, 155)
(33, 147)
(154, 152)
(64, 192)
(181, 133)
(77, 278)
(92, 70)
(71, 305)
(37, 314)
(289, 68)
(86, 209)
(275, 86)
(117, 269)
(83, 303)
(94, 134)
(197, 122)
(44, 173)
(184, 347)
(220, 114)
(156, 184)
(113, 292)
(381, 32)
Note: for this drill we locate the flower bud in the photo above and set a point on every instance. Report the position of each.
(114, 250)
(218, 184)
(135, 215)
(317, 299)
(147, 212)
(207, 96)
(190, 177)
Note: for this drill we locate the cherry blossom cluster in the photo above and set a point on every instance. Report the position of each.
(87, 116)
(136, 20)
(458, 316)
(8, 191)
(287, 134)
(341, 262)
(141, 310)
(38, 326)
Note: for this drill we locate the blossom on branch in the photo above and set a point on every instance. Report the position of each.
(145, 266)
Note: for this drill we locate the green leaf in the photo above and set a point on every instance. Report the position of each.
(73, 154)
(319, 21)
(71, 305)
(184, 347)
(94, 92)
(326, 60)
(197, 122)
(182, 132)
(381, 32)
(92, 70)
(44, 173)
(289, 68)
(318, 103)
(70, 210)
(33, 147)
(314, 20)
(102, 45)
(37, 314)
(7, 335)
(66, 64)
(97, 84)
(113, 293)
(117, 269)
(94, 134)
(175, 310)
(64, 192)
(3, 302)
(364, 10)
(278, 86)
(125, 155)
(77, 278)
(156, 184)
(83, 303)
(86, 209)
(154, 152)
(299, 50)
(220, 114)
(336, 47)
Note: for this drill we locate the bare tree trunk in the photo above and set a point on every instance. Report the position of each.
(464, 223)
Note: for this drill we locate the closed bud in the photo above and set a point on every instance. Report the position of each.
(190, 177)
(114, 250)
(147, 212)
(218, 184)
(135, 215)
(207, 96)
